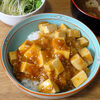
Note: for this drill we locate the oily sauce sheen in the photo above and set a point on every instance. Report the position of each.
(56, 60)
(37, 72)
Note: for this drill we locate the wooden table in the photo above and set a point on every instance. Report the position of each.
(8, 91)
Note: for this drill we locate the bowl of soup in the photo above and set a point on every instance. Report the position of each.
(50, 56)
(87, 11)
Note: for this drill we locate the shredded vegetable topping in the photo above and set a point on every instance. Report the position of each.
(19, 7)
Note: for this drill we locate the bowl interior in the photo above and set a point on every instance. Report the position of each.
(19, 33)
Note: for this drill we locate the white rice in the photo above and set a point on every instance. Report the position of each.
(33, 36)
(27, 82)
(30, 84)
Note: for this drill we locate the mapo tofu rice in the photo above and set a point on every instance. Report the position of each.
(56, 61)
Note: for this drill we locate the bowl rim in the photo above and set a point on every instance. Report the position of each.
(73, 1)
(39, 93)
(28, 14)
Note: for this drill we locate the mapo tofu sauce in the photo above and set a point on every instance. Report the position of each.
(49, 58)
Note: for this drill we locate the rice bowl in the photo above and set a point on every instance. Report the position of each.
(25, 28)
(52, 60)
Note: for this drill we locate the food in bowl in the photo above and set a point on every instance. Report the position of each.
(92, 7)
(57, 60)
(19, 7)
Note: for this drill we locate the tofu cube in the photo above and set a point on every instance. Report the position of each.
(42, 58)
(86, 55)
(54, 65)
(79, 79)
(73, 33)
(13, 56)
(59, 43)
(60, 47)
(26, 67)
(83, 41)
(32, 51)
(48, 86)
(76, 33)
(78, 62)
(42, 26)
(48, 66)
(63, 27)
(57, 66)
(60, 34)
(65, 53)
(70, 33)
(47, 28)
(25, 46)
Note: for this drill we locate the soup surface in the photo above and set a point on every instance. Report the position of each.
(91, 7)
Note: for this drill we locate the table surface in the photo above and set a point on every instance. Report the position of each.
(8, 91)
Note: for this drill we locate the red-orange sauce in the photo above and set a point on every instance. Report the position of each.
(37, 72)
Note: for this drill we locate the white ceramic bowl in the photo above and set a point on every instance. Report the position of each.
(13, 20)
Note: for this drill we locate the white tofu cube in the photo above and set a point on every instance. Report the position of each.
(73, 33)
(48, 66)
(60, 34)
(78, 62)
(47, 28)
(42, 58)
(76, 33)
(57, 66)
(54, 65)
(26, 67)
(59, 43)
(25, 46)
(70, 33)
(32, 51)
(86, 55)
(65, 53)
(40, 25)
(13, 56)
(60, 47)
(51, 35)
(79, 79)
(63, 27)
(83, 41)
(48, 86)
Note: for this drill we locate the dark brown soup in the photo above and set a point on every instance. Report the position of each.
(91, 7)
